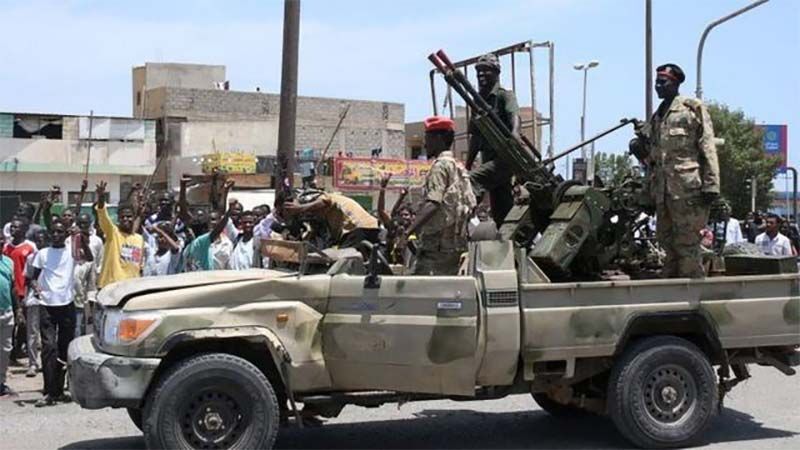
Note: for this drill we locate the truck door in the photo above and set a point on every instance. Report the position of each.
(411, 334)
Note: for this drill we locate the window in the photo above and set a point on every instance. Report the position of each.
(37, 127)
(138, 98)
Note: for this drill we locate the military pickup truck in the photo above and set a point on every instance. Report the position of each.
(224, 359)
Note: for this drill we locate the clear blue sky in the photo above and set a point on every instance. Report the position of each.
(73, 56)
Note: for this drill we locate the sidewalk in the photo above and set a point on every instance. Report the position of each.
(28, 390)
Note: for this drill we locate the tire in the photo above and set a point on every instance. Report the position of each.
(556, 409)
(662, 393)
(136, 417)
(212, 400)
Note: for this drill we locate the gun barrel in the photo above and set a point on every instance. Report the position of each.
(566, 152)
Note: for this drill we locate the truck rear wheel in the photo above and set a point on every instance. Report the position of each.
(211, 401)
(662, 393)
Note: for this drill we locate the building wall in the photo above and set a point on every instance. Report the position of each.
(368, 124)
(54, 155)
(201, 138)
(35, 164)
(19, 182)
(156, 75)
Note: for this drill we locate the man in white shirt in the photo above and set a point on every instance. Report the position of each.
(246, 248)
(164, 259)
(728, 227)
(53, 283)
(771, 242)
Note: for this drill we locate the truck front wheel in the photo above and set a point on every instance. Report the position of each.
(211, 401)
(662, 393)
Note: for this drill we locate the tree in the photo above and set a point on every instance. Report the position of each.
(741, 158)
(612, 168)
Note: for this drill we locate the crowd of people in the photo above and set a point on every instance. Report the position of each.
(53, 265)
(770, 233)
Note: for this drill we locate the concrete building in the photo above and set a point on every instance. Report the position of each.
(38, 151)
(199, 116)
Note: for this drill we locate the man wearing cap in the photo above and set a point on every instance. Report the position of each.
(494, 174)
(683, 173)
(449, 200)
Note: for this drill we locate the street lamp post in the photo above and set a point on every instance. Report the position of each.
(699, 88)
(590, 165)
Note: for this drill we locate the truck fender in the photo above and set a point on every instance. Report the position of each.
(280, 356)
(252, 333)
(696, 325)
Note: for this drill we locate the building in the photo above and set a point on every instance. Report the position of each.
(38, 151)
(198, 116)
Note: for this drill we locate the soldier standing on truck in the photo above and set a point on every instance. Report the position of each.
(683, 173)
(441, 223)
(494, 174)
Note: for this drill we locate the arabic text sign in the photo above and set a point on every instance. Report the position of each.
(365, 173)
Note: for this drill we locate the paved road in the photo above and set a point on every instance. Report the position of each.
(763, 413)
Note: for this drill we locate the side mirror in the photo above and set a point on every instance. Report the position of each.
(373, 278)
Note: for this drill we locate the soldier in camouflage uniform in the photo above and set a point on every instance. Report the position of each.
(494, 174)
(441, 222)
(683, 173)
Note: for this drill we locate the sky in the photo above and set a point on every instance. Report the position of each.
(74, 56)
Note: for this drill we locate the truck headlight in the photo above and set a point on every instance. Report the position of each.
(122, 328)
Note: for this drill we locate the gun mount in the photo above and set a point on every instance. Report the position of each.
(583, 229)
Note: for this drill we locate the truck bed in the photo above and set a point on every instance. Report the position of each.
(564, 321)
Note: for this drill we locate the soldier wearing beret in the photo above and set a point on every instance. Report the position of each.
(494, 174)
(683, 173)
(441, 223)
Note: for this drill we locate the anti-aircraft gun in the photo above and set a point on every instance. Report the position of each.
(584, 229)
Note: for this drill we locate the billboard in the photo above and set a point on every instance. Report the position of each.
(365, 173)
(776, 143)
(230, 162)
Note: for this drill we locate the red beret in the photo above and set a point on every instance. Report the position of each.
(439, 123)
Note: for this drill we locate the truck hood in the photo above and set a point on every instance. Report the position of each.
(117, 293)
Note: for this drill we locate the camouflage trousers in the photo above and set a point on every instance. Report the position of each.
(678, 228)
(431, 262)
(494, 177)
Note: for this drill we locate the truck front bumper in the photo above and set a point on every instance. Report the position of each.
(98, 380)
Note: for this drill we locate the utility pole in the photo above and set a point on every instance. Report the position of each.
(288, 109)
(753, 190)
(648, 59)
(794, 194)
(699, 88)
(589, 175)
